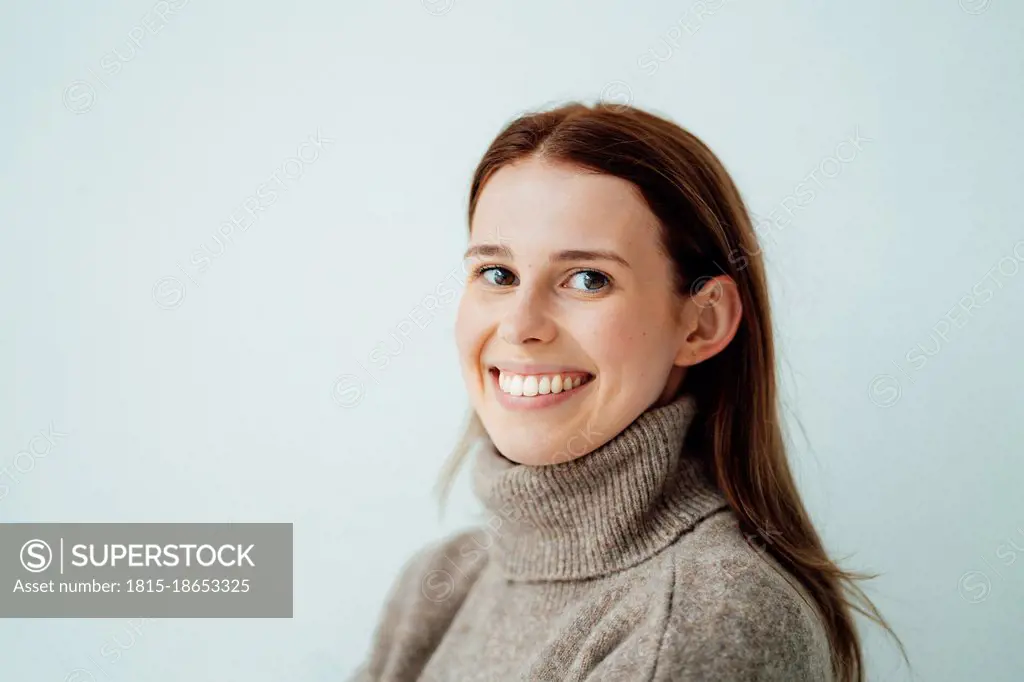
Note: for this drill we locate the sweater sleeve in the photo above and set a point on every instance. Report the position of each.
(740, 620)
(419, 605)
(395, 605)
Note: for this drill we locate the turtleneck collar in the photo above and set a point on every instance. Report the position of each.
(600, 513)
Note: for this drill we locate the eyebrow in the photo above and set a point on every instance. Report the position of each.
(502, 251)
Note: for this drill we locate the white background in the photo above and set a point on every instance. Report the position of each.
(220, 406)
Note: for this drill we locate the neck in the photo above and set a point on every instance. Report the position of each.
(603, 512)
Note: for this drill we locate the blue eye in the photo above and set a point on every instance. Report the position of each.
(587, 281)
(591, 280)
(504, 276)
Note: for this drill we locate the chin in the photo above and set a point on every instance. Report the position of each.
(537, 451)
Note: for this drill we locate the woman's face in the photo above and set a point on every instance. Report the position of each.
(568, 327)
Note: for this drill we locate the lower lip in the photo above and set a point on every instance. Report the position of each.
(516, 402)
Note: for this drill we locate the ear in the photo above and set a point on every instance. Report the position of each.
(709, 319)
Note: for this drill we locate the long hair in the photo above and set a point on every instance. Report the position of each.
(707, 232)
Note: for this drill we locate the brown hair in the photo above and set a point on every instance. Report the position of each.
(706, 230)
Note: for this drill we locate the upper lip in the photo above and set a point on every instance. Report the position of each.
(536, 368)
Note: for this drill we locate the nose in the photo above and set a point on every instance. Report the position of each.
(527, 319)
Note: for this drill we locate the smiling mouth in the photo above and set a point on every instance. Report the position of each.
(533, 385)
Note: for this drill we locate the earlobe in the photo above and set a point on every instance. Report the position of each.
(687, 355)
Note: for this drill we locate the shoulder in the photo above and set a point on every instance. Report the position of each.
(442, 571)
(736, 614)
(428, 591)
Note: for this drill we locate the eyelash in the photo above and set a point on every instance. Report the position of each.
(479, 271)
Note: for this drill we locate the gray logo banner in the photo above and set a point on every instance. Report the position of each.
(154, 570)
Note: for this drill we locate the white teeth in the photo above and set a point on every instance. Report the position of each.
(532, 385)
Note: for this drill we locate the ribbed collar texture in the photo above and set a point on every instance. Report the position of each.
(600, 513)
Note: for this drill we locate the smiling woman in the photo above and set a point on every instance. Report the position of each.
(580, 288)
(624, 431)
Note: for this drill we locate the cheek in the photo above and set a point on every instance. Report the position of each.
(625, 338)
(469, 329)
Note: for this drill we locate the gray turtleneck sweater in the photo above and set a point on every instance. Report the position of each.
(624, 564)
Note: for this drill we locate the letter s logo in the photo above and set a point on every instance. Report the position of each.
(36, 556)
